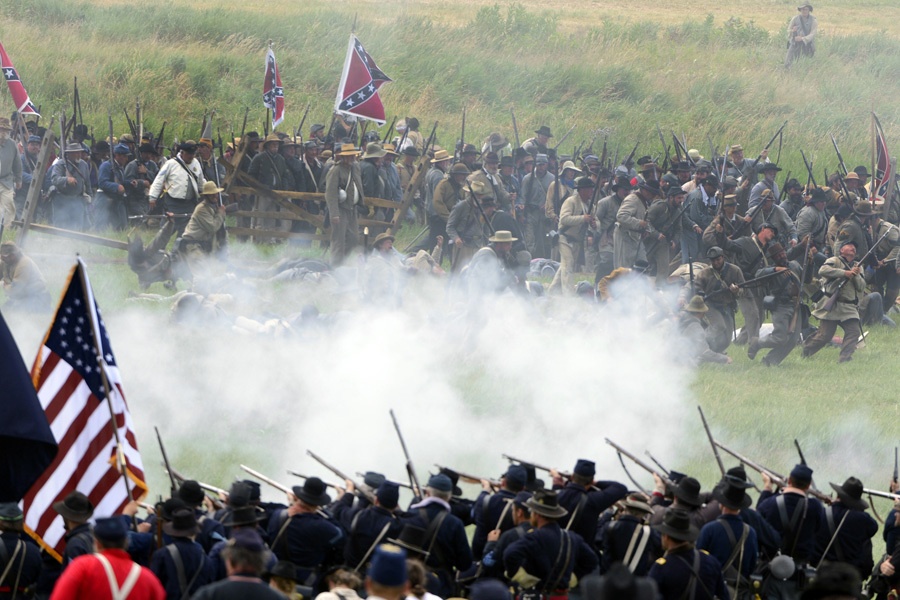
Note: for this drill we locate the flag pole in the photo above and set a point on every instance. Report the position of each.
(121, 463)
(874, 187)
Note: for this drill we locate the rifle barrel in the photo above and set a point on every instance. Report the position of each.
(264, 479)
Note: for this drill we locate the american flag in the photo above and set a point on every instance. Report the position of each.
(68, 376)
(360, 81)
(273, 93)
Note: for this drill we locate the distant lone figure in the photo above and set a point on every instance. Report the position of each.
(801, 35)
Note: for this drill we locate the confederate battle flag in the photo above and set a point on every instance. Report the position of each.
(358, 91)
(273, 93)
(881, 178)
(23, 103)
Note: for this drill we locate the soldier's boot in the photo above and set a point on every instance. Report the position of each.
(890, 298)
(753, 348)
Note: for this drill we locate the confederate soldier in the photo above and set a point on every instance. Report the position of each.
(22, 281)
(662, 216)
(743, 167)
(545, 560)
(887, 277)
(628, 538)
(494, 268)
(10, 173)
(769, 170)
(270, 169)
(70, 179)
(139, 174)
(690, 325)
(252, 138)
(684, 571)
(538, 143)
(750, 255)
(373, 185)
(204, 235)
(489, 175)
(178, 184)
(534, 191)
(844, 277)
(437, 225)
(465, 228)
(726, 223)
(855, 228)
(585, 499)
(313, 165)
(704, 206)
(494, 511)
(812, 221)
(719, 286)
(605, 218)
(469, 157)
(29, 163)
(212, 169)
(769, 212)
(783, 291)
(801, 35)
(449, 191)
(343, 193)
(406, 170)
(851, 544)
(558, 191)
(632, 225)
(574, 220)
(109, 202)
(793, 202)
(511, 184)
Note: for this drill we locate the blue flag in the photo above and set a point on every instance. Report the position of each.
(27, 446)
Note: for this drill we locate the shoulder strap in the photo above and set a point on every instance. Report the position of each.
(183, 584)
(581, 502)
(434, 526)
(691, 591)
(120, 593)
(636, 546)
(562, 560)
(736, 545)
(836, 544)
(10, 561)
(281, 531)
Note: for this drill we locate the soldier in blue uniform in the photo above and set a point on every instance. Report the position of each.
(368, 525)
(494, 511)
(497, 542)
(248, 516)
(76, 510)
(182, 566)
(461, 508)
(301, 535)
(684, 571)
(544, 561)
(629, 539)
(20, 558)
(211, 531)
(585, 498)
(850, 528)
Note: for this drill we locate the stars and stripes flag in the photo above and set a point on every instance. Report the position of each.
(69, 374)
(881, 177)
(20, 97)
(357, 93)
(273, 93)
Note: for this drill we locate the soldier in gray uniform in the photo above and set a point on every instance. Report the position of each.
(534, 192)
(71, 191)
(781, 296)
(801, 33)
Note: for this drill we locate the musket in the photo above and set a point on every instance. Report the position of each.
(603, 154)
(205, 486)
(410, 469)
(159, 137)
(812, 484)
(615, 160)
(342, 476)
(481, 209)
(563, 138)
(681, 149)
(895, 465)
(767, 146)
(462, 137)
(397, 483)
(775, 477)
(512, 113)
(131, 126)
(264, 479)
(390, 132)
(665, 234)
(62, 143)
(691, 272)
(783, 189)
(740, 228)
(829, 304)
(539, 467)
(165, 457)
(178, 215)
(880, 494)
(656, 462)
(795, 317)
(244, 124)
(139, 115)
(299, 131)
(712, 441)
(663, 142)
(812, 178)
(760, 278)
(838, 152)
(469, 477)
(630, 156)
(622, 451)
(302, 476)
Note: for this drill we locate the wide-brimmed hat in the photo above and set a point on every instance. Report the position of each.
(651, 185)
(732, 496)
(347, 150)
(243, 516)
(459, 169)
(805, 5)
(390, 149)
(546, 504)
(441, 156)
(491, 158)
(621, 182)
(507, 161)
(205, 142)
(411, 151)
(502, 236)
(183, 524)
(10, 511)
(861, 171)
(312, 492)
(386, 235)
(677, 525)
(469, 149)
(618, 583)
(413, 538)
(74, 147)
(863, 208)
(729, 200)
(374, 150)
(210, 188)
(569, 165)
(147, 148)
(543, 130)
(186, 146)
(4, 124)
(696, 305)
(851, 493)
(768, 167)
(584, 183)
(688, 489)
(75, 507)
(284, 569)
(851, 176)
(636, 502)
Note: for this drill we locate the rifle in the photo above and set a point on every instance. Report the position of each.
(809, 170)
(740, 228)
(691, 272)
(481, 209)
(410, 469)
(62, 143)
(665, 234)
(838, 152)
(895, 465)
(299, 131)
(342, 476)
(783, 189)
(630, 156)
(880, 494)
(563, 474)
(603, 154)
(264, 479)
(204, 486)
(462, 138)
(390, 131)
(712, 441)
(512, 113)
(397, 483)
(470, 478)
(796, 315)
(760, 278)
(162, 449)
(832, 300)
(681, 150)
(657, 463)
(622, 451)
(563, 138)
(812, 484)
(664, 145)
(767, 146)
(159, 136)
(131, 126)
(779, 480)
(244, 124)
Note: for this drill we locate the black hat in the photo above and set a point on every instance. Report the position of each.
(317, 127)
(818, 195)
(182, 524)
(767, 226)
(81, 130)
(585, 467)
(75, 507)
(861, 171)
(312, 492)
(768, 167)
(388, 494)
(191, 492)
(681, 166)
(412, 537)
(110, 530)
(673, 191)
(851, 493)
(621, 182)
(454, 479)
(677, 525)
(732, 496)
(618, 583)
(412, 123)
(584, 183)
(710, 180)
(253, 136)
(516, 475)
(645, 160)
(470, 149)
(688, 491)
(283, 568)
(543, 130)
(168, 508)
(373, 479)
(507, 161)
(489, 589)
(101, 146)
(546, 504)
(411, 151)
(521, 500)
(188, 146)
(243, 516)
(651, 185)
(491, 157)
(148, 148)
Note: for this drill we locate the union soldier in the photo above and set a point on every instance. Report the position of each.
(494, 511)
(109, 202)
(210, 530)
(632, 225)
(691, 325)
(304, 537)
(368, 526)
(22, 281)
(71, 188)
(10, 173)
(845, 312)
(21, 562)
(182, 566)
(852, 543)
(685, 494)
(628, 539)
(534, 190)
(343, 194)
(545, 560)
(178, 183)
(76, 510)
(244, 560)
(801, 33)
(498, 542)
(538, 143)
(139, 174)
(684, 570)
(574, 220)
(585, 499)
(387, 579)
(774, 214)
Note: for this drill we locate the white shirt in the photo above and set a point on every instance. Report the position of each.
(174, 179)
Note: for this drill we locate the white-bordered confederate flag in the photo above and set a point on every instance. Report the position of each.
(23, 103)
(357, 93)
(273, 93)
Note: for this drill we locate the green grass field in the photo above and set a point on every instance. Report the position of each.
(600, 66)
